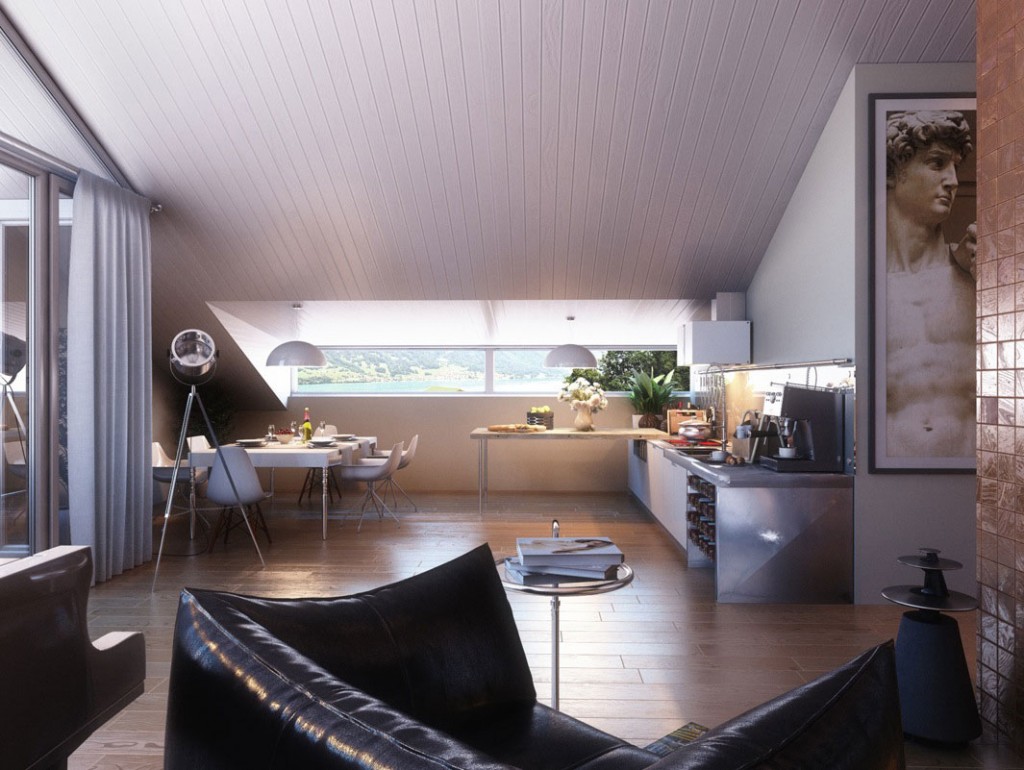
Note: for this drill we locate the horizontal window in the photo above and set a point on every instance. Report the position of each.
(465, 370)
(417, 370)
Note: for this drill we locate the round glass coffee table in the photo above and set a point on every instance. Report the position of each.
(555, 587)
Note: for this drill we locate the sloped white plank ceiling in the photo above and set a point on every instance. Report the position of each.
(328, 150)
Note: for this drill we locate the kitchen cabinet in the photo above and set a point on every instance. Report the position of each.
(770, 537)
(660, 485)
(714, 342)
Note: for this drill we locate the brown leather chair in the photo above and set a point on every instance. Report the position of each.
(58, 687)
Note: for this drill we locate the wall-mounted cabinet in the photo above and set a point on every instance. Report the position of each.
(714, 342)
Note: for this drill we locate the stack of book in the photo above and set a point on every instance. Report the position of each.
(582, 558)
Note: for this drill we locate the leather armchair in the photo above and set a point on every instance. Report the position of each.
(430, 672)
(58, 687)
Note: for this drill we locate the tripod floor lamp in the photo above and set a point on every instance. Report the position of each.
(193, 361)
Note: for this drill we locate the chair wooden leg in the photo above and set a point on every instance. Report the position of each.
(260, 521)
(221, 521)
(307, 485)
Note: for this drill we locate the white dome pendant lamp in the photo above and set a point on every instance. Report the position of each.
(574, 356)
(296, 352)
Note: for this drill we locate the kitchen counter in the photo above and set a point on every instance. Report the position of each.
(484, 436)
(750, 475)
(769, 536)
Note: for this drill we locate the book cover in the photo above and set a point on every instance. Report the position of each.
(517, 573)
(567, 551)
(588, 571)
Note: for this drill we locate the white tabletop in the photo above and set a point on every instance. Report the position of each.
(294, 455)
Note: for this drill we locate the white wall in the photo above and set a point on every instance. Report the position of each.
(801, 300)
(898, 513)
(810, 300)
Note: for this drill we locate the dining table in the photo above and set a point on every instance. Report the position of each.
(297, 454)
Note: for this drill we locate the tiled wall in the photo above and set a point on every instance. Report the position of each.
(1000, 147)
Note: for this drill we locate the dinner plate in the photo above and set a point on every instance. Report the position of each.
(251, 442)
(321, 442)
(343, 436)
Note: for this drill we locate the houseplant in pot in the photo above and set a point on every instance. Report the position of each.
(650, 396)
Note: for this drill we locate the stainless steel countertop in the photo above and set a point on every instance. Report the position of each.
(751, 475)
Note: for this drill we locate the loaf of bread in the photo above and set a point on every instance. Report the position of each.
(516, 427)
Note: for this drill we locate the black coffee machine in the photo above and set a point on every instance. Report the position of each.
(811, 419)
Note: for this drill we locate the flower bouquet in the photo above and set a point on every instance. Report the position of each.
(584, 398)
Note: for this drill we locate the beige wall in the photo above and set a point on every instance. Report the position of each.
(446, 460)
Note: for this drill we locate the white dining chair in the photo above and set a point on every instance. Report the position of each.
(372, 472)
(391, 484)
(249, 492)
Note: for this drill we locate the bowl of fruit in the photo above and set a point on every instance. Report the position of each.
(541, 415)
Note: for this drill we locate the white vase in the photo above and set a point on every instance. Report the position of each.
(584, 419)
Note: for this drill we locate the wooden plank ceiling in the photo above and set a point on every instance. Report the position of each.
(324, 150)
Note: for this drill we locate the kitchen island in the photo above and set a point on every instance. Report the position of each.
(484, 436)
(769, 536)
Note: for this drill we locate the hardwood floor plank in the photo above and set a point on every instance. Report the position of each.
(637, 663)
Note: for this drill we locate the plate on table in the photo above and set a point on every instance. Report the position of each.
(343, 436)
(321, 442)
(251, 442)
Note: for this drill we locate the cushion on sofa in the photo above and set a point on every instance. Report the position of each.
(437, 645)
(847, 719)
(264, 705)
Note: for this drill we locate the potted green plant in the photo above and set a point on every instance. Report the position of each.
(650, 395)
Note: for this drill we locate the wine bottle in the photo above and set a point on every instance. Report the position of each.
(307, 426)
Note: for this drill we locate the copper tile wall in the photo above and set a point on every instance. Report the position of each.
(1000, 507)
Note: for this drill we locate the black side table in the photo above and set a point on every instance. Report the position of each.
(936, 695)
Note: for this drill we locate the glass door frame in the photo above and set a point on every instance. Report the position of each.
(43, 319)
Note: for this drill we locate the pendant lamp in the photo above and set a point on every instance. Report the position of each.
(296, 352)
(574, 356)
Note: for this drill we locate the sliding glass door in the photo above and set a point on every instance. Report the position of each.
(35, 225)
(16, 242)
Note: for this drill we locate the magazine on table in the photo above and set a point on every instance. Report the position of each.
(583, 552)
(517, 573)
(514, 568)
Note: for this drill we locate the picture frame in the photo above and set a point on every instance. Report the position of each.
(922, 412)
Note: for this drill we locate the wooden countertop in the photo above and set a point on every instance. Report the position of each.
(570, 433)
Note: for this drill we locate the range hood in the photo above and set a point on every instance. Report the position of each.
(724, 340)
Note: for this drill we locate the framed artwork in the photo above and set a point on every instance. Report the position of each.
(923, 235)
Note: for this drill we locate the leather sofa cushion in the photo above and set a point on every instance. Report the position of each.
(847, 719)
(437, 646)
(261, 704)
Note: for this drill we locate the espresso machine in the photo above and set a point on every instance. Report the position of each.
(809, 422)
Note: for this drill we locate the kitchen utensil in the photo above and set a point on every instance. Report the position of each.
(695, 430)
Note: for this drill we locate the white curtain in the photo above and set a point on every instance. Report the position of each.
(110, 376)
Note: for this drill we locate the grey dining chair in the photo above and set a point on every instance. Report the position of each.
(250, 492)
(373, 472)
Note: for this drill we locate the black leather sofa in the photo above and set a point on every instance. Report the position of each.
(430, 672)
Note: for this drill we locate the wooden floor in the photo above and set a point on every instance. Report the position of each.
(637, 663)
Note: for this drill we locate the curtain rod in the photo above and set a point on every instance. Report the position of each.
(17, 41)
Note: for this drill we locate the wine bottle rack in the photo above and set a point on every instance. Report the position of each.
(701, 497)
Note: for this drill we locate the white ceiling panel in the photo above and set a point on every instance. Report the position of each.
(459, 150)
